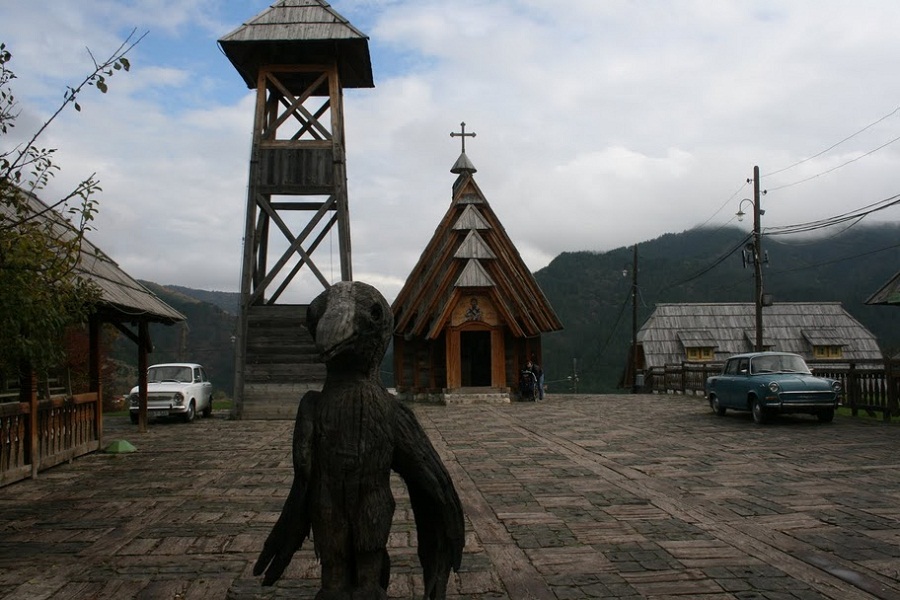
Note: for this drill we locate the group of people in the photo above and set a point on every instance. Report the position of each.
(531, 381)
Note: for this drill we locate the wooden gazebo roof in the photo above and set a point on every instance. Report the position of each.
(122, 298)
(292, 32)
(471, 249)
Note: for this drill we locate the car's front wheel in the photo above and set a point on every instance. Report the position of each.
(716, 405)
(826, 416)
(759, 412)
(135, 417)
(191, 412)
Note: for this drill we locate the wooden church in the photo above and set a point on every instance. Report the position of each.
(471, 313)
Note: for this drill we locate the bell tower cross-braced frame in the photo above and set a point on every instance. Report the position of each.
(297, 166)
(299, 57)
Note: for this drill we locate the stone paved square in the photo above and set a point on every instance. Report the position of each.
(614, 496)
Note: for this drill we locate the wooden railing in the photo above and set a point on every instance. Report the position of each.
(62, 429)
(687, 377)
(872, 386)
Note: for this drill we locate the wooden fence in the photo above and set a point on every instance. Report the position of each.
(40, 434)
(872, 386)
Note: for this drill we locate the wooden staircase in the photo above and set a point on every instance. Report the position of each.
(281, 363)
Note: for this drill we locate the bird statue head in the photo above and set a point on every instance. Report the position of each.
(351, 323)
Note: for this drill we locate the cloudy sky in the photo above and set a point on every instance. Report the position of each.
(599, 124)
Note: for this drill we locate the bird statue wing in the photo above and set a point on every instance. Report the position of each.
(292, 527)
(436, 507)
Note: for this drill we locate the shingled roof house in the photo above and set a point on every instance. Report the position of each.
(470, 313)
(677, 333)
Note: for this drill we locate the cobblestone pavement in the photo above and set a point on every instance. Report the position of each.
(575, 497)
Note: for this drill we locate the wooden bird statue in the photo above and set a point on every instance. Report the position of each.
(347, 439)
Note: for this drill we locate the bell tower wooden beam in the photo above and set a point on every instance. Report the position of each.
(298, 57)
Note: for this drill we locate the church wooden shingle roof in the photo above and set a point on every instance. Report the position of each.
(121, 297)
(730, 329)
(471, 249)
(300, 32)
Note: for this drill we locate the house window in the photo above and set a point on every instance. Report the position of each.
(700, 354)
(825, 352)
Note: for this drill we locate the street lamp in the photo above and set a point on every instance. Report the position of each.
(757, 254)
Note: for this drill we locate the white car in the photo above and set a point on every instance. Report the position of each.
(177, 389)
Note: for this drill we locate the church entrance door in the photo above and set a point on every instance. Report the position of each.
(475, 358)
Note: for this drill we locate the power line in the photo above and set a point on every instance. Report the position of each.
(831, 221)
(724, 204)
(615, 326)
(852, 160)
(706, 270)
(833, 146)
(836, 260)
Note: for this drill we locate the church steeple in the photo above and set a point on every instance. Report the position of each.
(463, 164)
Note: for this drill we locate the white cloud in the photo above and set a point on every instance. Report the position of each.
(599, 124)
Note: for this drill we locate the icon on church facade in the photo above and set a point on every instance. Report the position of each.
(473, 313)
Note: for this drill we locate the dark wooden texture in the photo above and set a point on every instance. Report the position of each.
(297, 180)
(281, 361)
(469, 254)
(347, 439)
(60, 429)
(292, 170)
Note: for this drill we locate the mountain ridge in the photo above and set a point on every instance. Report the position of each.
(591, 296)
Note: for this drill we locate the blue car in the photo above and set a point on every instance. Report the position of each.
(768, 383)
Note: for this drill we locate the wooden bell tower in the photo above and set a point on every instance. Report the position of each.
(299, 55)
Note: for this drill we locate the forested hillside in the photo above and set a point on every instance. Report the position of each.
(206, 338)
(593, 298)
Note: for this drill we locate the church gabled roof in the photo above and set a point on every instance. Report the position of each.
(300, 32)
(471, 250)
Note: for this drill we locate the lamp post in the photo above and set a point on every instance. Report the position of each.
(757, 255)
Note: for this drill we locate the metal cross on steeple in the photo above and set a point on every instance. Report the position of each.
(463, 135)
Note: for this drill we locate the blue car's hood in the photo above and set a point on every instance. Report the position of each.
(797, 381)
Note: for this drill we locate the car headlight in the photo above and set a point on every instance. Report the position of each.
(774, 387)
(836, 386)
(179, 398)
(133, 399)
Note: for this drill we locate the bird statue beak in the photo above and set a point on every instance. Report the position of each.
(336, 331)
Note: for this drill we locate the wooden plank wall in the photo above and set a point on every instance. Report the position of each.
(281, 362)
(281, 169)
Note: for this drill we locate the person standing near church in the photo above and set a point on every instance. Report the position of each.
(539, 375)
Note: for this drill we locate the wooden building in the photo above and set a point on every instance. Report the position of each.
(298, 55)
(698, 332)
(470, 313)
(42, 426)
(888, 294)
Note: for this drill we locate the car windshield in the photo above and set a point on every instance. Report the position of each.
(171, 373)
(778, 363)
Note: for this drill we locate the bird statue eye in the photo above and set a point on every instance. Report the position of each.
(375, 311)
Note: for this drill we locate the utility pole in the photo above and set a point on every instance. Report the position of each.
(757, 255)
(634, 355)
(757, 260)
